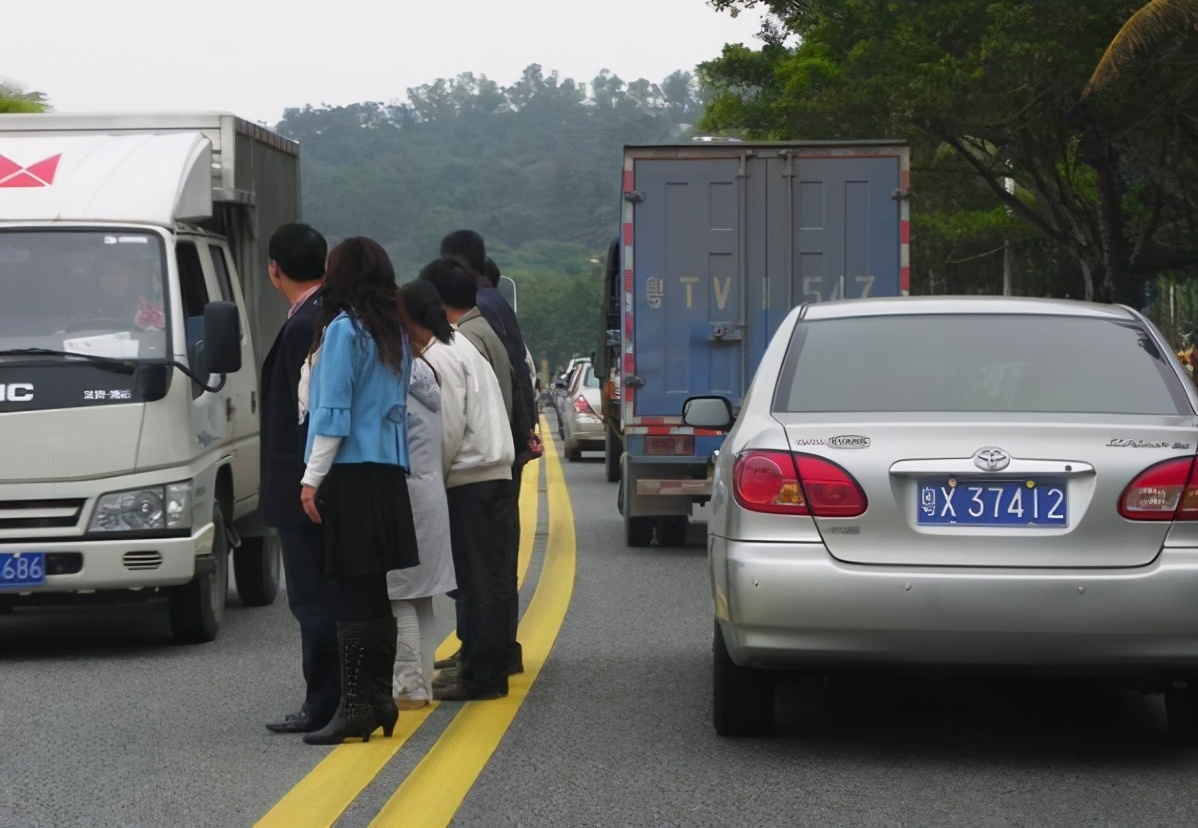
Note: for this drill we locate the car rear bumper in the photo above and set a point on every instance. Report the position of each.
(586, 432)
(793, 605)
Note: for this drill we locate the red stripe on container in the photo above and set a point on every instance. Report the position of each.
(627, 232)
(905, 278)
(628, 181)
(905, 232)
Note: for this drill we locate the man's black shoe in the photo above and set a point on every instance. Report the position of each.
(301, 722)
(456, 692)
(447, 663)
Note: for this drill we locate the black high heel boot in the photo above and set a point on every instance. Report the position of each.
(357, 713)
(383, 645)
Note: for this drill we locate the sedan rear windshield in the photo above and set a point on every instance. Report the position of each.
(977, 363)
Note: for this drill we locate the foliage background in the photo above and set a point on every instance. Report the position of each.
(534, 167)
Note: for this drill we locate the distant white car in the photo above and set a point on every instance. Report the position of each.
(957, 483)
(581, 423)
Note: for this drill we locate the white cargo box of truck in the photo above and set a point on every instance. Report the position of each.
(137, 313)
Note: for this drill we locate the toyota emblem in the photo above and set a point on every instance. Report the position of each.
(991, 459)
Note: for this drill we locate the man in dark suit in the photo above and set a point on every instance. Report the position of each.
(296, 270)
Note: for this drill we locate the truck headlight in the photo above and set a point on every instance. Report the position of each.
(139, 510)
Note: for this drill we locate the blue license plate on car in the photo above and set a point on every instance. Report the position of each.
(950, 501)
(22, 569)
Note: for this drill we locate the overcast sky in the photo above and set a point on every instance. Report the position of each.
(258, 57)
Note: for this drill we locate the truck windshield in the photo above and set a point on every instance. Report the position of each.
(86, 291)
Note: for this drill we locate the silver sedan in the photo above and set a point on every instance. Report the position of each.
(957, 483)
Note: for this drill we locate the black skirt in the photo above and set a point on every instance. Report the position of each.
(367, 518)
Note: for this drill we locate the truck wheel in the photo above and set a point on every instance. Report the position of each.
(638, 531)
(742, 698)
(612, 449)
(672, 530)
(256, 569)
(1181, 710)
(197, 608)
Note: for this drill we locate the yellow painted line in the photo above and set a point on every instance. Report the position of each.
(321, 797)
(435, 788)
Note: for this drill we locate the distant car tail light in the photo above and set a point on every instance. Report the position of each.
(670, 445)
(1166, 491)
(795, 484)
(583, 407)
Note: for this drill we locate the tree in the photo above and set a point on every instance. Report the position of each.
(998, 85)
(534, 166)
(1156, 23)
(15, 99)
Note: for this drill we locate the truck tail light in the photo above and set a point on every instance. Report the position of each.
(1165, 491)
(671, 445)
(795, 484)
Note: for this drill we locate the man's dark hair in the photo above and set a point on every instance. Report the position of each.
(492, 272)
(455, 285)
(423, 306)
(299, 251)
(467, 247)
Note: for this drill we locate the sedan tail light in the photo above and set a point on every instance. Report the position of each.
(795, 484)
(1166, 491)
(583, 407)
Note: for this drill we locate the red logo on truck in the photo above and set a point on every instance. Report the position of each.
(40, 174)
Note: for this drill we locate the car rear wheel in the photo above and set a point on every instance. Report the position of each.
(742, 698)
(1181, 708)
(672, 530)
(256, 569)
(573, 453)
(197, 608)
(612, 449)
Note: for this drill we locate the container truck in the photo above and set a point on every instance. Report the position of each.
(718, 241)
(135, 318)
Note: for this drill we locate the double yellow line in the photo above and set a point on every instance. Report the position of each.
(434, 790)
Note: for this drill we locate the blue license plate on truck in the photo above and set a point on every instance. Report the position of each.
(22, 569)
(948, 501)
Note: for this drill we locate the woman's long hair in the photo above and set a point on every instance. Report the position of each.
(419, 299)
(361, 281)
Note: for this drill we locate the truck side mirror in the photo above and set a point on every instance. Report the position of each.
(222, 339)
(707, 412)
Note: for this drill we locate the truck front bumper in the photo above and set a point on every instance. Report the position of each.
(128, 563)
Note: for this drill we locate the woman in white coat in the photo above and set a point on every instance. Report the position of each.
(412, 590)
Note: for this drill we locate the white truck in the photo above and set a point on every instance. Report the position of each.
(134, 318)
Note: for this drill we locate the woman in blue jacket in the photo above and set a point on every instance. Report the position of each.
(354, 483)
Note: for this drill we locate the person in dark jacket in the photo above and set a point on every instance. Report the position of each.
(297, 261)
(468, 248)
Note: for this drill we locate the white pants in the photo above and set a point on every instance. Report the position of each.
(414, 650)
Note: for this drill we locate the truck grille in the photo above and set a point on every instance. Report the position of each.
(139, 561)
(39, 514)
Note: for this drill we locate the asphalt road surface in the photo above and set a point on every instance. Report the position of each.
(104, 721)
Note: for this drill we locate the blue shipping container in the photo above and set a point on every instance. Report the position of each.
(719, 241)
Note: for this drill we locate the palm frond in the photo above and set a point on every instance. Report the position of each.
(1156, 21)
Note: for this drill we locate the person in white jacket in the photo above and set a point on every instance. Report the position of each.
(477, 456)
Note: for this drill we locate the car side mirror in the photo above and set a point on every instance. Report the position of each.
(708, 412)
(221, 353)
